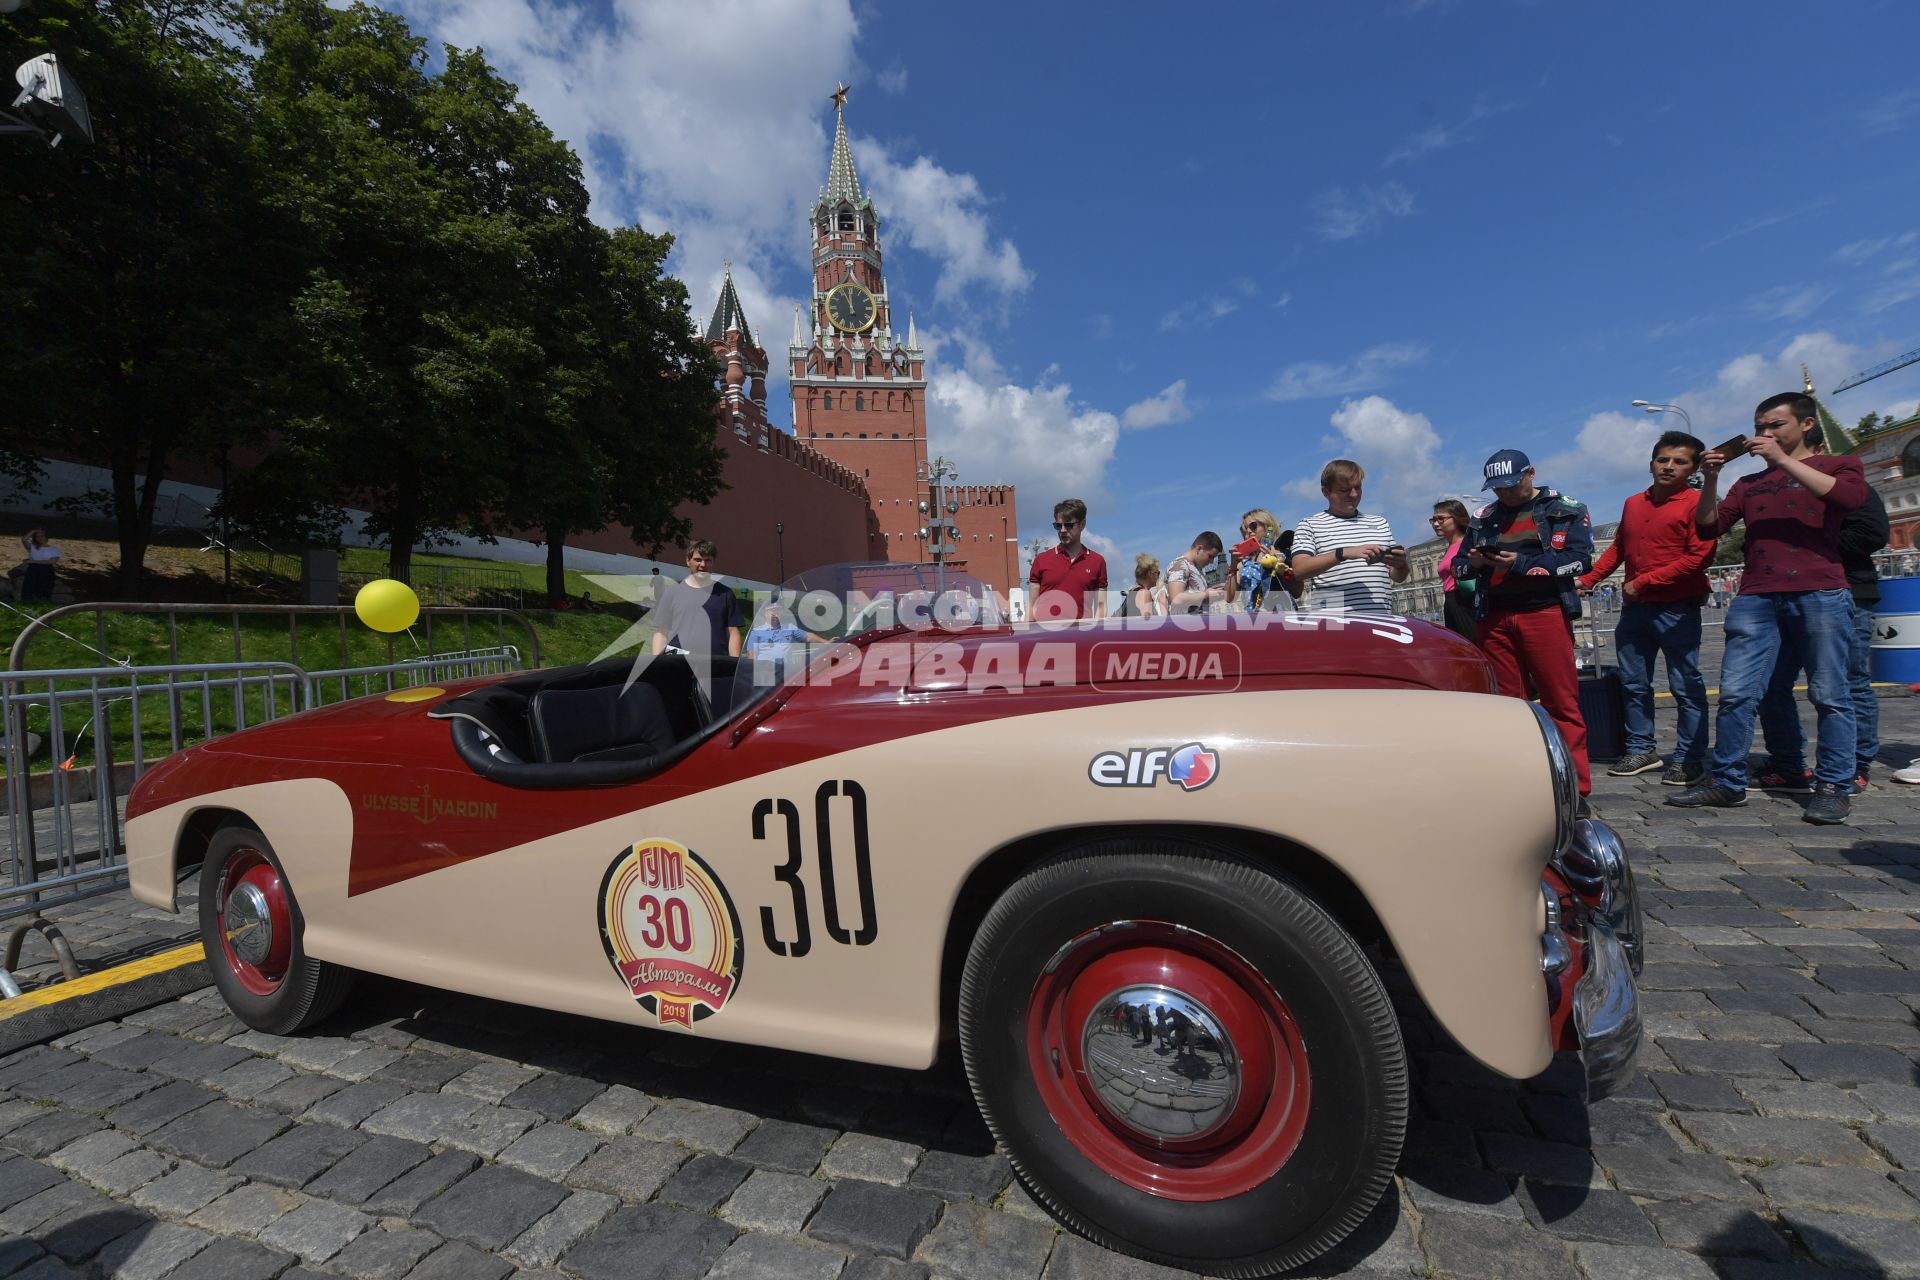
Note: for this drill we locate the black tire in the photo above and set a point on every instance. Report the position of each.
(293, 992)
(1292, 1204)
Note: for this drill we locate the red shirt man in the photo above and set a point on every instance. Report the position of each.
(1069, 581)
(1666, 557)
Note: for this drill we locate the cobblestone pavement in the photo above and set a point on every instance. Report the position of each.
(1774, 1131)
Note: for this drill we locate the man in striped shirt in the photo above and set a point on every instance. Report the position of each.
(1348, 558)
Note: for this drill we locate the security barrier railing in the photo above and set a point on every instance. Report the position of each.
(450, 584)
(64, 833)
(347, 627)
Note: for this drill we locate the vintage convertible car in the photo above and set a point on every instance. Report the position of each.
(1144, 871)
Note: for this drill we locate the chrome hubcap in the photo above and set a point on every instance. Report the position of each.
(1160, 1063)
(249, 925)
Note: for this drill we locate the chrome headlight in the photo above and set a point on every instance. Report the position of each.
(1566, 783)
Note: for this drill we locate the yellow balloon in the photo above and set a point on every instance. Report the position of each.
(386, 604)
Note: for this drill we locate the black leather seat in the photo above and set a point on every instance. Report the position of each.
(604, 723)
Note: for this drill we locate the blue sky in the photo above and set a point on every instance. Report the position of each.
(1174, 270)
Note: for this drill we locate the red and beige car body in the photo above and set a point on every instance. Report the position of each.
(806, 875)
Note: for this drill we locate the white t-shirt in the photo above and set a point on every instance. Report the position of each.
(1350, 586)
(48, 552)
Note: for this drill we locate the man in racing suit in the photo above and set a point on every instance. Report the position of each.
(1526, 551)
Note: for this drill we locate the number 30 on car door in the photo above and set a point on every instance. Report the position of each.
(838, 829)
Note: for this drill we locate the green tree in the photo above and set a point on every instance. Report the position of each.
(140, 270)
(626, 433)
(1868, 425)
(1732, 547)
(397, 369)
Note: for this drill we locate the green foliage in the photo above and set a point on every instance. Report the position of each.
(368, 284)
(1732, 548)
(141, 280)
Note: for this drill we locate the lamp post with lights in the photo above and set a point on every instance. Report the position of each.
(939, 511)
(1652, 408)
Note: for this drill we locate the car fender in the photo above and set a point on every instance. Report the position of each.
(1368, 779)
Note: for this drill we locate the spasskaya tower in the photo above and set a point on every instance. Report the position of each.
(859, 393)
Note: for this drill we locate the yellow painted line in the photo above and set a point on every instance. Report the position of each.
(101, 981)
(1799, 688)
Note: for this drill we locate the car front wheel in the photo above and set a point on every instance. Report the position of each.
(1185, 1056)
(250, 926)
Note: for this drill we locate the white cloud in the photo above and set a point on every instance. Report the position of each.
(1893, 112)
(1901, 285)
(1773, 219)
(1344, 214)
(1210, 309)
(1790, 302)
(1400, 450)
(714, 126)
(1037, 437)
(1860, 251)
(1170, 405)
(712, 122)
(1608, 458)
(1440, 137)
(1372, 367)
(942, 215)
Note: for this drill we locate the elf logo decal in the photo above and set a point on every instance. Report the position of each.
(670, 932)
(1192, 766)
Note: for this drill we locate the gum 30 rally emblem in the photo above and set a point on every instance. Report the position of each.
(670, 931)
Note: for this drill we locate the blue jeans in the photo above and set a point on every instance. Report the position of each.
(1780, 718)
(1672, 631)
(1819, 626)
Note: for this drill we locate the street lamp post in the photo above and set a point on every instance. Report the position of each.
(1650, 407)
(940, 513)
(780, 534)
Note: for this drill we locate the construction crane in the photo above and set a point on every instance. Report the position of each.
(1880, 370)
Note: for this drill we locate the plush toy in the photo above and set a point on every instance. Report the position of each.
(1259, 565)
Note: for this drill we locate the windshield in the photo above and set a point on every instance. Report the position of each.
(841, 601)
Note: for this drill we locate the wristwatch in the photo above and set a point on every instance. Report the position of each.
(1339, 554)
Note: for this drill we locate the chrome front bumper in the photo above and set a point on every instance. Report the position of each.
(1606, 1005)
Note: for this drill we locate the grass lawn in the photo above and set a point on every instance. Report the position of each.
(183, 570)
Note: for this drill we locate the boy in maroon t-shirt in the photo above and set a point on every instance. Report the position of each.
(1792, 585)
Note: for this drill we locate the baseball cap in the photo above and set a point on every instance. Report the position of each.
(1505, 469)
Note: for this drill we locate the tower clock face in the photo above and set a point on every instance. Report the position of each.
(851, 307)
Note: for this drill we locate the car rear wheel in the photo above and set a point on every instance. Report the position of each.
(250, 925)
(1185, 1056)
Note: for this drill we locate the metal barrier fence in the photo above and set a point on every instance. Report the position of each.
(64, 838)
(343, 615)
(450, 583)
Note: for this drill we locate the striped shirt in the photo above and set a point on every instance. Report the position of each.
(1349, 586)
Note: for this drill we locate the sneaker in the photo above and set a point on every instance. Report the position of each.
(1774, 779)
(1910, 774)
(1829, 804)
(1684, 775)
(1637, 762)
(1584, 809)
(1709, 796)
(1861, 783)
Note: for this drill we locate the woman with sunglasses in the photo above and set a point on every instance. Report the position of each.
(1450, 522)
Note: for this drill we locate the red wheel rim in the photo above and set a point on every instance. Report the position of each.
(1250, 1135)
(252, 897)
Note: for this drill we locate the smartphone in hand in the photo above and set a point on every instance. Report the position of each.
(1732, 449)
